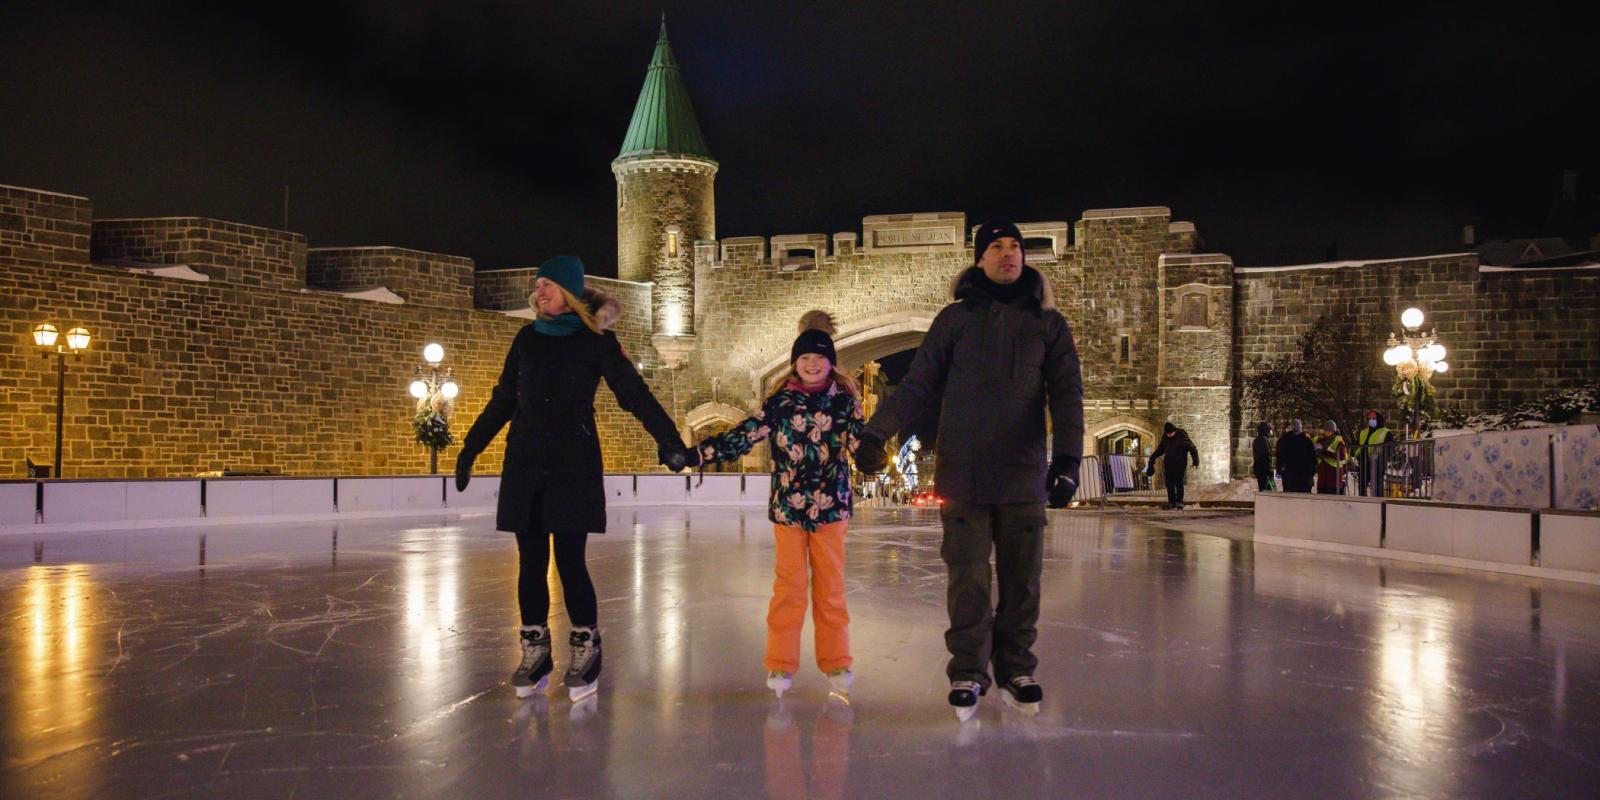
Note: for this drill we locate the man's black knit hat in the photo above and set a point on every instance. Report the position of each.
(992, 230)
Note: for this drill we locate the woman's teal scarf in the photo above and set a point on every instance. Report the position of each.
(559, 325)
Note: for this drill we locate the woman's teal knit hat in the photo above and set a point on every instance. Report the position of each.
(567, 271)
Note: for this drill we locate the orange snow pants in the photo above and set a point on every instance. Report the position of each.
(823, 551)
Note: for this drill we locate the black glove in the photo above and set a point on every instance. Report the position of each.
(672, 455)
(464, 469)
(1062, 481)
(870, 458)
(692, 457)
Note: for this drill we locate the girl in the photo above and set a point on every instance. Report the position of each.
(551, 486)
(813, 416)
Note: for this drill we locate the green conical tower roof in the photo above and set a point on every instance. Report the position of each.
(663, 120)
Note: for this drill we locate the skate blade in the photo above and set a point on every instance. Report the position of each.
(964, 713)
(1031, 709)
(532, 689)
(580, 693)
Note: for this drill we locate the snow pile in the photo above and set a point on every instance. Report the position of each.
(1556, 408)
(1243, 490)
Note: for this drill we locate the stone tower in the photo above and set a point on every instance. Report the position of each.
(665, 201)
(1194, 315)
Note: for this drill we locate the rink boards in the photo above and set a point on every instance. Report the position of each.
(39, 506)
(1549, 543)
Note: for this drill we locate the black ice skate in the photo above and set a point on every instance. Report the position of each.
(1023, 693)
(533, 674)
(964, 698)
(583, 672)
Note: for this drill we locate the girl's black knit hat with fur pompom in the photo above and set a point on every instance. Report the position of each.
(816, 336)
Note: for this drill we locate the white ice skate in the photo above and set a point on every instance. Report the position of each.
(779, 682)
(583, 672)
(1023, 694)
(841, 680)
(533, 674)
(964, 698)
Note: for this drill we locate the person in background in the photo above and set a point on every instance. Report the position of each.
(1261, 451)
(1297, 459)
(1369, 454)
(1331, 457)
(1176, 450)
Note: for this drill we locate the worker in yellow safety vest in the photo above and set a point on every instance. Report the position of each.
(1370, 454)
(1331, 456)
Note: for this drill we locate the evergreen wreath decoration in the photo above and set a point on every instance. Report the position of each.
(431, 423)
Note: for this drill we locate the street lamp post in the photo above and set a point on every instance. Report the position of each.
(47, 337)
(1416, 357)
(435, 392)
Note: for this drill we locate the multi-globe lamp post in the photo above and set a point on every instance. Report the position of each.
(47, 336)
(435, 391)
(1416, 356)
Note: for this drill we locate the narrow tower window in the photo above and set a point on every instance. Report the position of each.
(1125, 349)
(672, 243)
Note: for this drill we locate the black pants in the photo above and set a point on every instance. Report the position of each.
(533, 590)
(1263, 483)
(1174, 488)
(1003, 634)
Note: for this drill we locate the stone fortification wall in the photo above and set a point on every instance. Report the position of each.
(885, 288)
(241, 255)
(44, 229)
(188, 376)
(424, 279)
(1511, 334)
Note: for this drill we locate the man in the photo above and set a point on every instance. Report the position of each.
(1297, 459)
(1175, 446)
(995, 359)
(1369, 454)
(1331, 455)
(1261, 457)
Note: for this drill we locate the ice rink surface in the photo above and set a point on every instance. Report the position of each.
(370, 659)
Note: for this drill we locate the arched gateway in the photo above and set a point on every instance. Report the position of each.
(710, 320)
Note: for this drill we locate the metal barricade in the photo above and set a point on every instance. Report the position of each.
(1122, 473)
(1091, 480)
(1407, 469)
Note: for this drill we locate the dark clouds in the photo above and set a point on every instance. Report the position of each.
(486, 129)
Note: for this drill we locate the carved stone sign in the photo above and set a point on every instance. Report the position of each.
(913, 237)
(914, 233)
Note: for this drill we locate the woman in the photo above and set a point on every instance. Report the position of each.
(813, 416)
(552, 486)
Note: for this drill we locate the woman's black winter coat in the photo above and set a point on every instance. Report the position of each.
(546, 391)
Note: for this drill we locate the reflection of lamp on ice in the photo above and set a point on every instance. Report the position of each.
(435, 392)
(1416, 357)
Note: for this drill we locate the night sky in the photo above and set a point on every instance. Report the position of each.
(487, 129)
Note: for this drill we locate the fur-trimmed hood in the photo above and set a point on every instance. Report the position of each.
(605, 308)
(963, 287)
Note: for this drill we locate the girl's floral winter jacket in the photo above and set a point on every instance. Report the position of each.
(812, 436)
